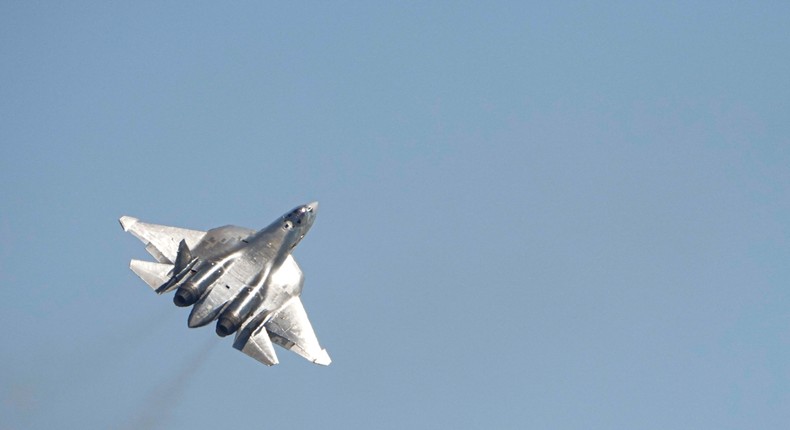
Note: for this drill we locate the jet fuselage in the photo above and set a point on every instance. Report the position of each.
(250, 258)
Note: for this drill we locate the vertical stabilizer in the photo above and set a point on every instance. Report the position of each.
(183, 257)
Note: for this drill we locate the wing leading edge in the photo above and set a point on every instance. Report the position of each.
(291, 329)
(161, 241)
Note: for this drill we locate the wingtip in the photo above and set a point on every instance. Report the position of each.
(324, 359)
(127, 222)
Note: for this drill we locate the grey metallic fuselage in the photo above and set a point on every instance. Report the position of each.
(251, 259)
(246, 280)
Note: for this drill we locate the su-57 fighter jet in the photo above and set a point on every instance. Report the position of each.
(246, 280)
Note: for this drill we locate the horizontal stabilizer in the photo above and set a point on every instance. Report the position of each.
(154, 274)
(258, 346)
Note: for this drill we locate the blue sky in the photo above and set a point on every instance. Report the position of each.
(532, 215)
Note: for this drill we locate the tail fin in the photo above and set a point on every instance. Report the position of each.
(183, 257)
(184, 262)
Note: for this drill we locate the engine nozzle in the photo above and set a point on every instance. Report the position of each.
(185, 296)
(226, 326)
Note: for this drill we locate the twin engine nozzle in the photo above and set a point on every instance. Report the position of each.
(227, 325)
(196, 284)
(186, 295)
(195, 277)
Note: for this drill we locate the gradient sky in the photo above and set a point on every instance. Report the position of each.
(532, 215)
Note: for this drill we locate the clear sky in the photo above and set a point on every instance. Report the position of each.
(532, 215)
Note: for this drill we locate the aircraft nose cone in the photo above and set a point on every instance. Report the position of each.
(313, 205)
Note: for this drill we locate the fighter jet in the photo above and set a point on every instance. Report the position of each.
(247, 280)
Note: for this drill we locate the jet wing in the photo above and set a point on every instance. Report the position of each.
(291, 329)
(161, 241)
